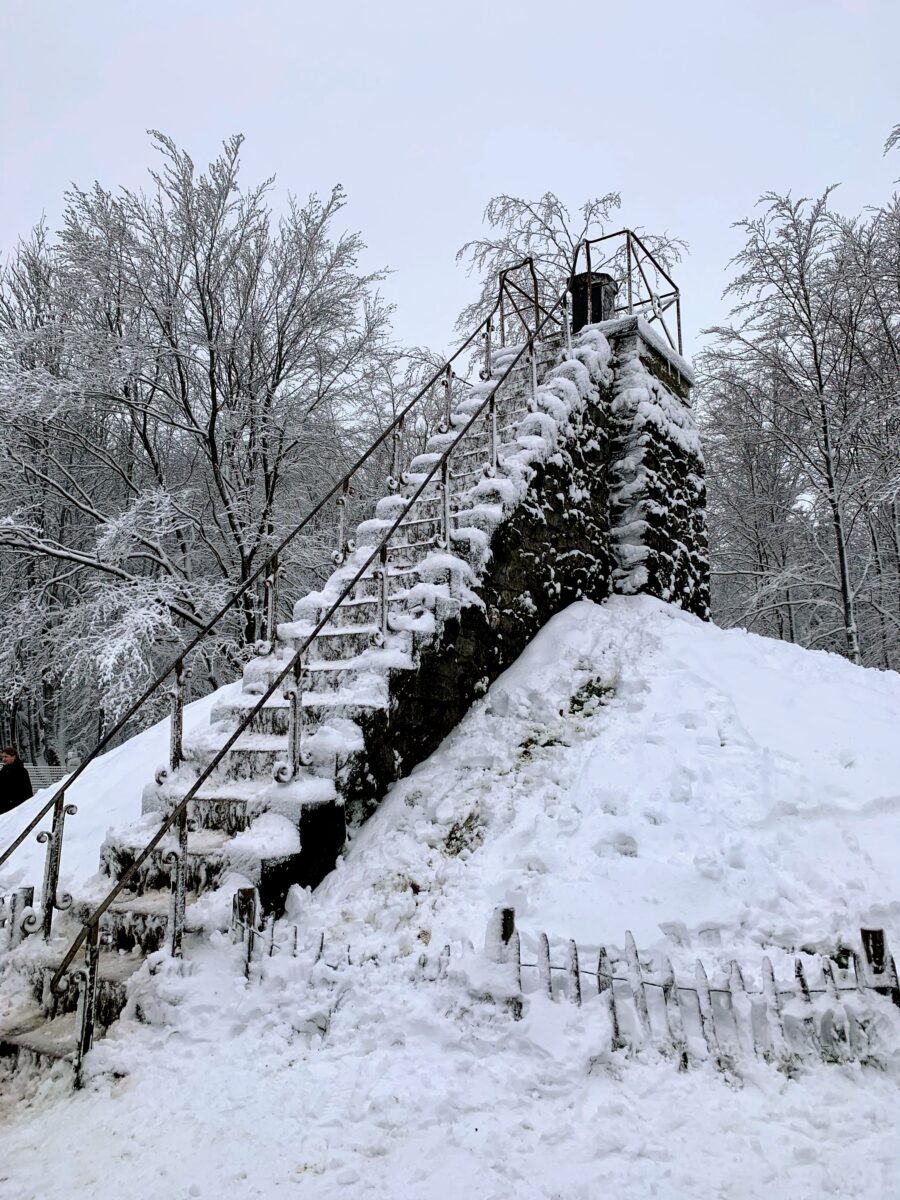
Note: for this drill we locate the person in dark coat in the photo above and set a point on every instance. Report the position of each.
(15, 784)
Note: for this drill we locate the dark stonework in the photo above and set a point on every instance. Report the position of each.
(558, 546)
(670, 508)
(552, 550)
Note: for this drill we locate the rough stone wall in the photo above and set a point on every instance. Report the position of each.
(554, 549)
(619, 508)
(657, 488)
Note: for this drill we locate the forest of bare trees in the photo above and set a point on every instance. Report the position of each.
(801, 413)
(182, 375)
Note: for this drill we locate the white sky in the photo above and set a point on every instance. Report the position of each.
(423, 111)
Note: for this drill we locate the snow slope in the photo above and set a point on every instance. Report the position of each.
(714, 792)
(106, 795)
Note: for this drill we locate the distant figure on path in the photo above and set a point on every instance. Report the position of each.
(15, 785)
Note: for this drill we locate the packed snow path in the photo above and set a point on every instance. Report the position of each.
(635, 768)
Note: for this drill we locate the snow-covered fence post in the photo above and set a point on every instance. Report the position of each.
(707, 1020)
(607, 992)
(543, 966)
(808, 1020)
(881, 970)
(773, 1010)
(674, 1020)
(835, 1023)
(244, 921)
(567, 327)
(503, 947)
(742, 1010)
(573, 975)
(636, 980)
(54, 840)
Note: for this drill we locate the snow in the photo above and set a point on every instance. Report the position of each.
(106, 795)
(716, 793)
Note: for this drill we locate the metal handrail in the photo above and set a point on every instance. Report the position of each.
(658, 302)
(90, 927)
(54, 838)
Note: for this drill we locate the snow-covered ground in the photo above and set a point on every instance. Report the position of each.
(714, 792)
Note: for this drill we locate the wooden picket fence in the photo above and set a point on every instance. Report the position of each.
(827, 1011)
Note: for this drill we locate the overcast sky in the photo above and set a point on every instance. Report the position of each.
(424, 110)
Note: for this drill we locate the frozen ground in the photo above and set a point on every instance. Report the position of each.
(714, 792)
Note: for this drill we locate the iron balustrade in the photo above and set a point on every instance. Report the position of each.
(178, 669)
(514, 305)
(645, 296)
(89, 936)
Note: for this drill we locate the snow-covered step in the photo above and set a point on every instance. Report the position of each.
(337, 642)
(207, 859)
(133, 922)
(114, 969)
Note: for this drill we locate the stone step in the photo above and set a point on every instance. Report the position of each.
(241, 801)
(33, 1040)
(114, 972)
(207, 860)
(333, 643)
(216, 810)
(132, 921)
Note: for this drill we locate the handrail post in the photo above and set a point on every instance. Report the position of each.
(488, 351)
(344, 545)
(444, 539)
(382, 576)
(492, 418)
(502, 312)
(54, 840)
(537, 305)
(447, 384)
(178, 860)
(393, 480)
(567, 326)
(87, 1000)
(176, 738)
(628, 271)
(590, 280)
(285, 771)
(534, 379)
(271, 593)
(678, 319)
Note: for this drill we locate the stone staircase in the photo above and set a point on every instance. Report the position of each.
(423, 631)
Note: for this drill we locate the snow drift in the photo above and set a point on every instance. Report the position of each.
(635, 769)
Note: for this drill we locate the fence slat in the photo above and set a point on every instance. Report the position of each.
(573, 976)
(606, 988)
(774, 1020)
(543, 962)
(707, 1019)
(636, 981)
(674, 1019)
(742, 1011)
